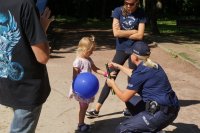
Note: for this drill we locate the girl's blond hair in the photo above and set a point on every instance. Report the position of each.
(86, 44)
(147, 62)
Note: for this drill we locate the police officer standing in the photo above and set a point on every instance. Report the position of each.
(157, 104)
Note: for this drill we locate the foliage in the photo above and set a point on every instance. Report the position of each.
(70, 22)
(84, 8)
(86, 11)
(102, 9)
(169, 26)
(165, 25)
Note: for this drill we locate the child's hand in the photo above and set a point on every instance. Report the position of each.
(70, 94)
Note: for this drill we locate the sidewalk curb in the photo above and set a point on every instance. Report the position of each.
(176, 54)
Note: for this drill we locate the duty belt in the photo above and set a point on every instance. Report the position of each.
(152, 107)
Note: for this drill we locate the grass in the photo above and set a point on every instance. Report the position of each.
(169, 26)
(165, 26)
(185, 56)
(88, 23)
(197, 49)
(173, 54)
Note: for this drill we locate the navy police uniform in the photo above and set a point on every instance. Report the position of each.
(157, 104)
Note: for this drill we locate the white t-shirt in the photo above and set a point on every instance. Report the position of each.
(83, 64)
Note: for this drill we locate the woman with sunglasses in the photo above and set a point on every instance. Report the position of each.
(128, 27)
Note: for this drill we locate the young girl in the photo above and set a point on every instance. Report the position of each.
(83, 63)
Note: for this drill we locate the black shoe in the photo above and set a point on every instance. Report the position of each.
(92, 113)
(84, 128)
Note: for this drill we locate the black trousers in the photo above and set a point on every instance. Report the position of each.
(144, 122)
(135, 105)
(120, 57)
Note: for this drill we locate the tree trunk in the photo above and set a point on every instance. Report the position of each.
(103, 9)
(151, 11)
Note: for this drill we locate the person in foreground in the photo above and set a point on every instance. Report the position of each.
(157, 104)
(24, 51)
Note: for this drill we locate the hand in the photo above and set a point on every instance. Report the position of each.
(70, 94)
(110, 82)
(113, 74)
(45, 20)
(113, 65)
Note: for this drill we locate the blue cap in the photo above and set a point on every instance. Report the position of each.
(139, 48)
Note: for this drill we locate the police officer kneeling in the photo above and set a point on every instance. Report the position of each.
(157, 104)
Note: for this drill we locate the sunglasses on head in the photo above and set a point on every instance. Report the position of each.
(130, 4)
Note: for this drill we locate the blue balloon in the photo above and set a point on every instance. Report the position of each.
(85, 85)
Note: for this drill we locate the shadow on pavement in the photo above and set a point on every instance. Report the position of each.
(62, 35)
(107, 125)
(54, 56)
(184, 103)
(185, 128)
(115, 113)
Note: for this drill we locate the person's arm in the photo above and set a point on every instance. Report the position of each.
(117, 32)
(125, 95)
(75, 72)
(98, 70)
(41, 52)
(139, 34)
(34, 31)
(124, 69)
